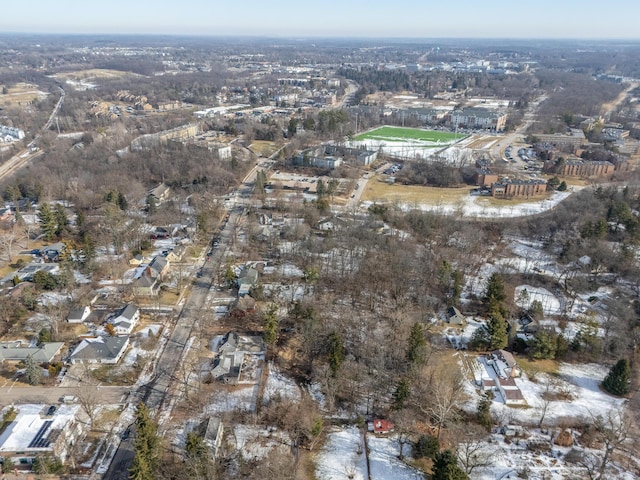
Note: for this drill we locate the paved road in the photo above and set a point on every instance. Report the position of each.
(24, 394)
(350, 91)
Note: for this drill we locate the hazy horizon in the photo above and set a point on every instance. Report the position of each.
(403, 19)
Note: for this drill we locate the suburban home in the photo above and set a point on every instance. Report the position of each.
(158, 267)
(247, 279)
(528, 324)
(176, 254)
(503, 363)
(41, 429)
(454, 317)
(248, 275)
(78, 315)
(126, 320)
(510, 392)
(331, 224)
(227, 367)
(160, 192)
(136, 261)
(229, 344)
(104, 350)
(20, 350)
(380, 426)
(160, 233)
(146, 286)
(26, 273)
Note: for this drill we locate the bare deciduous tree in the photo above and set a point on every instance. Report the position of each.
(439, 393)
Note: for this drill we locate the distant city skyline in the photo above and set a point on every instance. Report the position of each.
(616, 19)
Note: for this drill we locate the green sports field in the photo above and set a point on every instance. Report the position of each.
(399, 134)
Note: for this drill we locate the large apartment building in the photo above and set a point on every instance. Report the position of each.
(509, 188)
(478, 118)
(581, 168)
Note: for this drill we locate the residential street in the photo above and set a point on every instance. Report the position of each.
(156, 394)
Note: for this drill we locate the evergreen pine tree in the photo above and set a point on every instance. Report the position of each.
(47, 222)
(140, 469)
(483, 414)
(416, 348)
(197, 456)
(446, 467)
(497, 328)
(617, 380)
(271, 325)
(336, 352)
(122, 202)
(401, 394)
(145, 461)
(60, 218)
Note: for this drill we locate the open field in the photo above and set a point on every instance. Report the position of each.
(21, 94)
(93, 74)
(399, 133)
(378, 190)
(264, 148)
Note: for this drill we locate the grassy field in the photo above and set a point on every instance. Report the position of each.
(264, 148)
(20, 94)
(399, 133)
(379, 190)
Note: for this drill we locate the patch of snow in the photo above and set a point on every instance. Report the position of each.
(279, 386)
(550, 303)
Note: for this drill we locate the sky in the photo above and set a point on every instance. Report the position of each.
(614, 19)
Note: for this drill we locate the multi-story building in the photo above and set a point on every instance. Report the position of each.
(574, 139)
(581, 168)
(509, 188)
(478, 118)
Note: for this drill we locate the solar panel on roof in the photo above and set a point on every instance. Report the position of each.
(38, 441)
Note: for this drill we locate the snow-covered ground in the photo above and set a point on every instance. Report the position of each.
(343, 456)
(525, 295)
(239, 399)
(575, 391)
(479, 207)
(417, 149)
(279, 386)
(255, 442)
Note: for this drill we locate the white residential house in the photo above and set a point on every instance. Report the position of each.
(42, 430)
(126, 320)
(104, 350)
(79, 315)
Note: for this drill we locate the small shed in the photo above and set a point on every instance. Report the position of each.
(454, 317)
